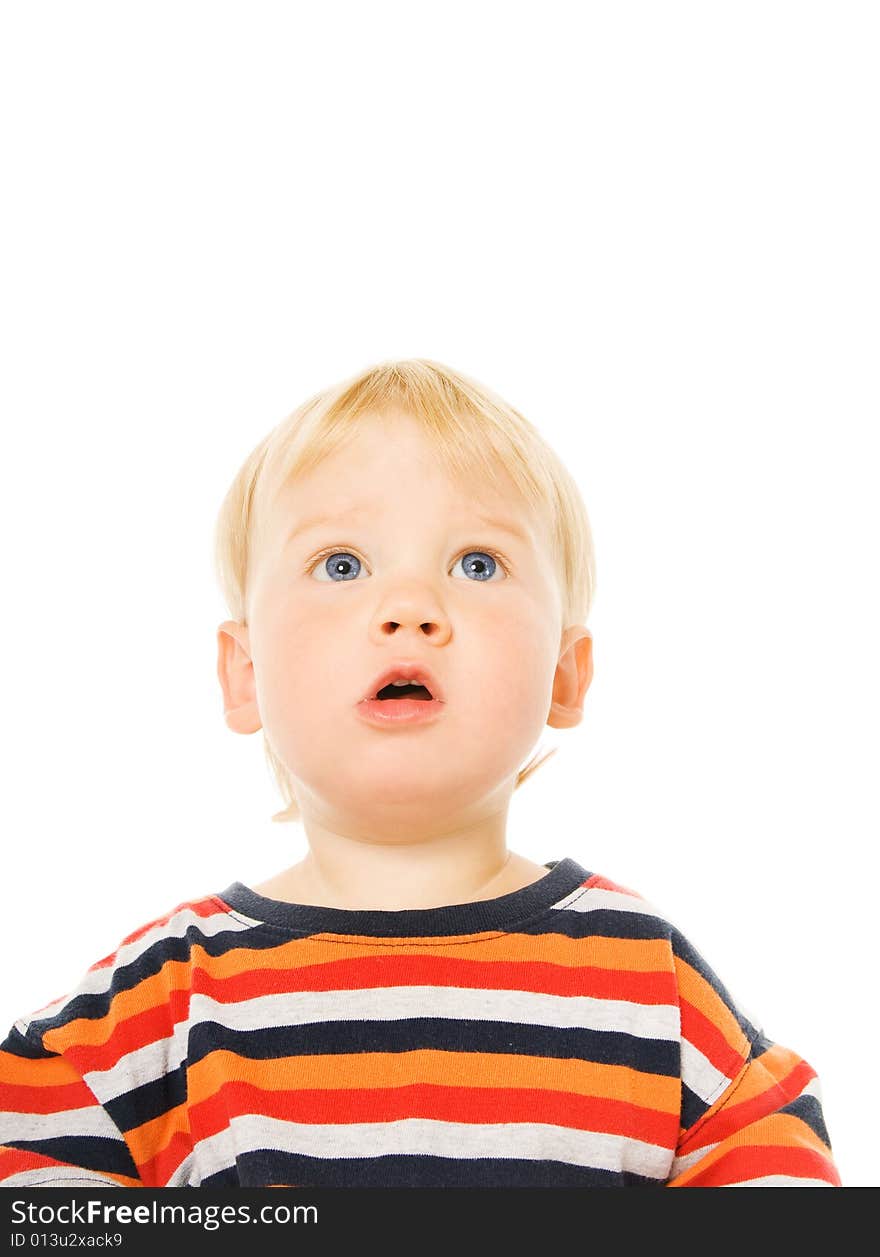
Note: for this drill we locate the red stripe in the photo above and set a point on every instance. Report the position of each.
(473, 1105)
(708, 1039)
(131, 1033)
(158, 1170)
(22, 1098)
(376, 972)
(16, 1161)
(741, 1165)
(732, 1118)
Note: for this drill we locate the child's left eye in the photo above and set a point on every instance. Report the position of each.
(481, 564)
(343, 565)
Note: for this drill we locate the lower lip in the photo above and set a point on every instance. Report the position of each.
(390, 712)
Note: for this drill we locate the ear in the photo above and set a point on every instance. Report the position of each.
(236, 673)
(574, 672)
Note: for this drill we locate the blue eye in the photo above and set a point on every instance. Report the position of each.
(339, 565)
(479, 564)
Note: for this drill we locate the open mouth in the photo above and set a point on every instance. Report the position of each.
(404, 701)
(391, 690)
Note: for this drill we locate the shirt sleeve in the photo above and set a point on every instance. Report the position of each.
(751, 1109)
(54, 1132)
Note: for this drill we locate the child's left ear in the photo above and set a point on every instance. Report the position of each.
(574, 672)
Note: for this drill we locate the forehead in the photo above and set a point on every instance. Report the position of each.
(390, 466)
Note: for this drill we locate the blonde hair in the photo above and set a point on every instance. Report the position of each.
(473, 430)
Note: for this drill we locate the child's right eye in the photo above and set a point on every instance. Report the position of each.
(336, 565)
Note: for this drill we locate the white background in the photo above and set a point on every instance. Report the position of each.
(653, 229)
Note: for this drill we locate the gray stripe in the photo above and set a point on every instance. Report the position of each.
(93, 1121)
(58, 1176)
(647, 1021)
(425, 1137)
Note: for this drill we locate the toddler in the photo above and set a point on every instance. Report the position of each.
(411, 1004)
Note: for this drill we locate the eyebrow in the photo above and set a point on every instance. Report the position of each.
(501, 525)
(318, 520)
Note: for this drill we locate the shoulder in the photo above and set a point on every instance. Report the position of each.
(608, 907)
(137, 971)
(646, 937)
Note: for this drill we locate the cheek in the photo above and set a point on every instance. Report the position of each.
(298, 668)
(513, 662)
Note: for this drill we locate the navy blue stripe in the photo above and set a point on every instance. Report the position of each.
(16, 1044)
(808, 1109)
(599, 922)
(692, 1107)
(89, 1152)
(275, 1168)
(504, 912)
(760, 1045)
(649, 1056)
(151, 1100)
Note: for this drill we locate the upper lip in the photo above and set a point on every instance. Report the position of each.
(410, 670)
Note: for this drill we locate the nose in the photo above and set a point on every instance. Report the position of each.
(412, 610)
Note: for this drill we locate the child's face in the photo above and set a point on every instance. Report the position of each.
(317, 642)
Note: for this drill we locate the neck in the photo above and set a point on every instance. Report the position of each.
(342, 871)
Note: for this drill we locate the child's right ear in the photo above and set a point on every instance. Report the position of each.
(236, 673)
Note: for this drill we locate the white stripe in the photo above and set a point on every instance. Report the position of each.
(145, 1064)
(426, 1137)
(680, 1164)
(98, 981)
(92, 1121)
(814, 1089)
(652, 1021)
(183, 1176)
(698, 1073)
(59, 1176)
(596, 898)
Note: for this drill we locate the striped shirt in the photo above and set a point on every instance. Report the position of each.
(562, 1035)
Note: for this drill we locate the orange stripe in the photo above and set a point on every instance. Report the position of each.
(47, 1071)
(697, 992)
(434, 1067)
(637, 955)
(156, 1137)
(158, 1170)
